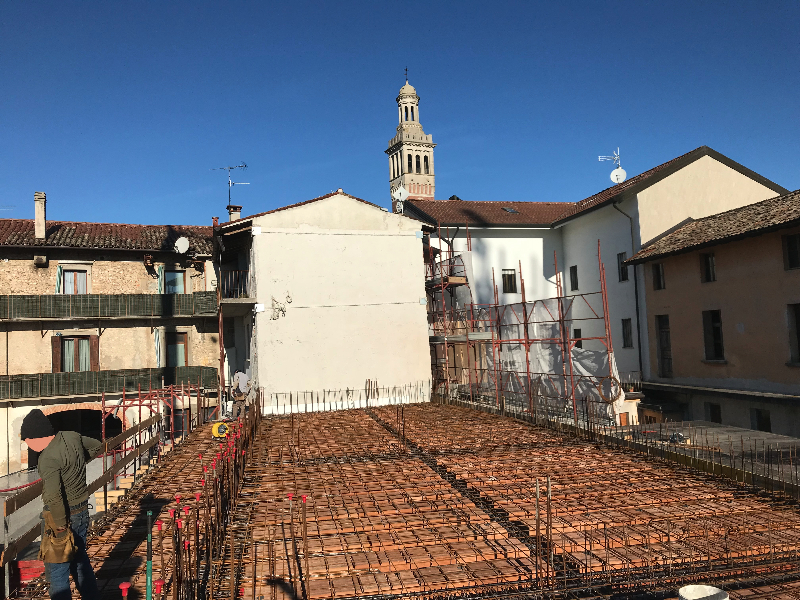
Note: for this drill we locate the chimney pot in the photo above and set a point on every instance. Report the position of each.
(40, 221)
(215, 221)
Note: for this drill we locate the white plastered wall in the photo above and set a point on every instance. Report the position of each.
(350, 279)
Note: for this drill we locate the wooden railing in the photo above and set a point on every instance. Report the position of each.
(234, 283)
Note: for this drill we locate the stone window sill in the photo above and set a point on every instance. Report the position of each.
(716, 362)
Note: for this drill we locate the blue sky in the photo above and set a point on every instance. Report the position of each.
(119, 111)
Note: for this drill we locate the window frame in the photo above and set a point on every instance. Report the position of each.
(793, 315)
(713, 342)
(627, 333)
(622, 269)
(419, 165)
(508, 277)
(659, 279)
(177, 334)
(426, 163)
(182, 271)
(791, 251)
(573, 279)
(64, 272)
(663, 361)
(708, 267)
(577, 333)
(410, 163)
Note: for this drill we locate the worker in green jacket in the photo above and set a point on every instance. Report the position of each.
(62, 467)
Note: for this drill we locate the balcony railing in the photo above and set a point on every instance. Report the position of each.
(234, 283)
(71, 306)
(78, 383)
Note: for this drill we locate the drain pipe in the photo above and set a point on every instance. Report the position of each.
(635, 288)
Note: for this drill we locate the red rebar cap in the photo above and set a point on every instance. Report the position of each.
(186, 545)
(291, 495)
(304, 498)
(200, 456)
(186, 509)
(214, 463)
(159, 583)
(159, 523)
(220, 452)
(205, 469)
(197, 495)
(171, 513)
(244, 452)
(180, 523)
(124, 587)
(178, 498)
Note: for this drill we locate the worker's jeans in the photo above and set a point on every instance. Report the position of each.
(80, 567)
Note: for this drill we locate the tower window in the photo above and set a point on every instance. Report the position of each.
(410, 164)
(406, 113)
(573, 278)
(509, 281)
(412, 113)
(419, 169)
(427, 170)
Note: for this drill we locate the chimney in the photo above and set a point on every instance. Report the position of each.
(40, 202)
(234, 212)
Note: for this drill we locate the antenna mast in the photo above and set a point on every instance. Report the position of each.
(231, 182)
(618, 175)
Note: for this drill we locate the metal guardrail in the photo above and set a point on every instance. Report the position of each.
(71, 306)
(37, 385)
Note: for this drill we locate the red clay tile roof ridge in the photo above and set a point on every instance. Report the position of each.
(52, 222)
(296, 204)
(751, 219)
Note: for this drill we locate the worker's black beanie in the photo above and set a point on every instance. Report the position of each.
(36, 425)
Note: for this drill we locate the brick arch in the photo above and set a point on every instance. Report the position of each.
(85, 406)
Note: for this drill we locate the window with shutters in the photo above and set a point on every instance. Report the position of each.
(509, 281)
(75, 353)
(177, 350)
(627, 333)
(712, 335)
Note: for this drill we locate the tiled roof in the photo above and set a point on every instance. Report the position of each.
(458, 212)
(482, 213)
(753, 219)
(68, 234)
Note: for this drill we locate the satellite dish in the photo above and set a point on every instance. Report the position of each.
(181, 245)
(618, 175)
(400, 194)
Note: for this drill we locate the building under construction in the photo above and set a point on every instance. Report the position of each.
(511, 476)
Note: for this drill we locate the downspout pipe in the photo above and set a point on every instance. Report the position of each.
(635, 287)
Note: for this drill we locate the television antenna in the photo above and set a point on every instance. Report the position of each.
(231, 182)
(618, 175)
(400, 195)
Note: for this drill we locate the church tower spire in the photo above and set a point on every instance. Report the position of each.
(411, 151)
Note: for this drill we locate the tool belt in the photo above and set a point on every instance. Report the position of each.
(58, 546)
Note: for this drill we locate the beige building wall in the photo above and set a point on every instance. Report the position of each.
(702, 188)
(350, 279)
(752, 292)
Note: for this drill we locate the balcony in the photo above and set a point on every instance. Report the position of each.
(234, 293)
(106, 306)
(82, 383)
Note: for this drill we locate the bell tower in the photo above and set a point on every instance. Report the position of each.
(411, 151)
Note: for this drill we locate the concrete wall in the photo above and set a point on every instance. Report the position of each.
(752, 292)
(350, 278)
(498, 249)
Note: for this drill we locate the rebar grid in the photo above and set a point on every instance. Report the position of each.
(437, 501)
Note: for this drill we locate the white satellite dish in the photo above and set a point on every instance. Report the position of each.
(618, 175)
(400, 194)
(181, 245)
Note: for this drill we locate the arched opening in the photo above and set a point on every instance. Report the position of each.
(391, 165)
(85, 421)
(419, 167)
(427, 170)
(410, 164)
(412, 113)
(406, 113)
